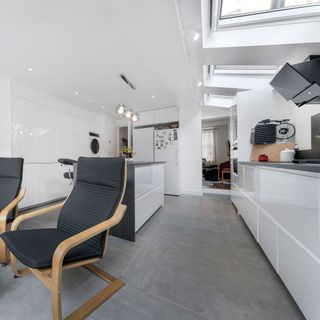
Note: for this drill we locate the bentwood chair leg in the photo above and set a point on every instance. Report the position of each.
(4, 254)
(56, 299)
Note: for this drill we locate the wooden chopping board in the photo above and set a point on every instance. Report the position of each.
(271, 150)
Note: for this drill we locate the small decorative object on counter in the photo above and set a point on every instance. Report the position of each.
(127, 152)
(287, 155)
(263, 158)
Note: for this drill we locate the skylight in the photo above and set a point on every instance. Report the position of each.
(257, 70)
(236, 8)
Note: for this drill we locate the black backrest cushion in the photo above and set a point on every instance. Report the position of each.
(11, 170)
(94, 198)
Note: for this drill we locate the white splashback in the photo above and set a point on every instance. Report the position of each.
(45, 129)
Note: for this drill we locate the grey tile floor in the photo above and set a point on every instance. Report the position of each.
(195, 259)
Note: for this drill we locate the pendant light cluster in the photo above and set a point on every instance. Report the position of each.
(123, 111)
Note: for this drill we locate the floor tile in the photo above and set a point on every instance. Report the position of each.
(195, 259)
(134, 304)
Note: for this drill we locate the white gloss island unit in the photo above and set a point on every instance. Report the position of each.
(280, 203)
(144, 196)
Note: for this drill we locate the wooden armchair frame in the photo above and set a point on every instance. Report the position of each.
(51, 277)
(5, 226)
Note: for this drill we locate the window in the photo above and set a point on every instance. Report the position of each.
(208, 145)
(236, 8)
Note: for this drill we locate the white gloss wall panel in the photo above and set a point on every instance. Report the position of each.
(5, 117)
(51, 182)
(301, 274)
(46, 128)
(31, 181)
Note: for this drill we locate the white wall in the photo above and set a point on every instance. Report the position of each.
(256, 105)
(46, 128)
(5, 117)
(190, 146)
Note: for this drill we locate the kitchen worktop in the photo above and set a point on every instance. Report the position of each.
(308, 167)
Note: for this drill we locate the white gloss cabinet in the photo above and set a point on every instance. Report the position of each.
(301, 275)
(149, 192)
(282, 210)
(41, 134)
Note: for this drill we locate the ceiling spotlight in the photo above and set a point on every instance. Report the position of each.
(76, 93)
(102, 107)
(153, 97)
(21, 132)
(128, 114)
(199, 83)
(30, 69)
(196, 36)
(121, 108)
(135, 117)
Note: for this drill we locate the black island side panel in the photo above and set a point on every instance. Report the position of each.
(126, 228)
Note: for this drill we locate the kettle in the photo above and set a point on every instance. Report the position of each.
(287, 155)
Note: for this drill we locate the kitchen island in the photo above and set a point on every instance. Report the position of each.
(280, 203)
(143, 197)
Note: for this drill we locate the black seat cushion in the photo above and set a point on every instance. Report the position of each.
(11, 170)
(94, 198)
(35, 248)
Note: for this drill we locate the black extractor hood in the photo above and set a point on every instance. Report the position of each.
(299, 82)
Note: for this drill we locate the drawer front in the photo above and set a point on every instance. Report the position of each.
(292, 200)
(248, 211)
(148, 178)
(268, 238)
(301, 275)
(235, 196)
(147, 205)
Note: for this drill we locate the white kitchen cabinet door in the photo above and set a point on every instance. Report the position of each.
(166, 115)
(268, 238)
(301, 274)
(248, 211)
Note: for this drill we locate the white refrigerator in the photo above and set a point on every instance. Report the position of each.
(166, 148)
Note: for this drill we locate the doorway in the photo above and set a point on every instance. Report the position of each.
(216, 155)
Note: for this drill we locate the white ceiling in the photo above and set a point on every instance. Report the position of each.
(81, 45)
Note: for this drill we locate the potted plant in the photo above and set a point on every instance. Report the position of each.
(127, 152)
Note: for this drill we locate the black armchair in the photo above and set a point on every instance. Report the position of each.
(11, 194)
(80, 238)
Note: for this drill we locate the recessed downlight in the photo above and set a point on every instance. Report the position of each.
(30, 69)
(76, 93)
(196, 36)
(153, 97)
(102, 107)
(199, 83)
